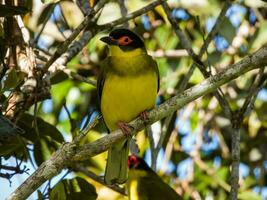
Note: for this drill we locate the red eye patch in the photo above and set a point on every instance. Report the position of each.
(132, 160)
(124, 40)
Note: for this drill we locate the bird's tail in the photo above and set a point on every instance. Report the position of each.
(116, 168)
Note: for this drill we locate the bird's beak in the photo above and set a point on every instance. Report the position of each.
(108, 40)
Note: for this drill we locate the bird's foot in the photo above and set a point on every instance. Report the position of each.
(125, 128)
(145, 116)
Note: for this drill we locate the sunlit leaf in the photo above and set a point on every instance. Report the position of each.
(72, 13)
(46, 13)
(10, 138)
(248, 195)
(58, 77)
(254, 124)
(73, 189)
(58, 192)
(46, 132)
(12, 79)
(260, 36)
(227, 30)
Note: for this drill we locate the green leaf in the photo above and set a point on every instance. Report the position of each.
(254, 124)
(11, 80)
(197, 77)
(59, 93)
(46, 13)
(260, 36)
(249, 182)
(227, 30)
(58, 77)
(248, 195)
(45, 129)
(58, 192)
(214, 57)
(163, 35)
(223, 173)
(194, 120)
(73, 189)
(13, 145)
(10, 139)
(42, 151)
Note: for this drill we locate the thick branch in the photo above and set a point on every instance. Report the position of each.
(236, 123)
(71, 152)
(209, 85)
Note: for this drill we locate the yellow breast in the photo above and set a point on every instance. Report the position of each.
(125, 97)
(133, 186)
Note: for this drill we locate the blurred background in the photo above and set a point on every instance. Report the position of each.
(194, 156)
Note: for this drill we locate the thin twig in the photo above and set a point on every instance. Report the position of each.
(71, 121)
(57, 25)
(78, 77)
(88, 127)
(131, 15)
(253, 91)
(123, 10)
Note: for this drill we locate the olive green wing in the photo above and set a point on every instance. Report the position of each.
(102, 77)
(101, 81)
(154, 65)
(157, 71)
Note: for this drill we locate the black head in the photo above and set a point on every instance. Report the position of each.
(135, 162)
(124, 38)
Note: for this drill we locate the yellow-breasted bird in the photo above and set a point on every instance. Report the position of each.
(127, 87)
(144, 184)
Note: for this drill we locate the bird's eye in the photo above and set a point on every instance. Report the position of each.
(124, 40)
(133, 161)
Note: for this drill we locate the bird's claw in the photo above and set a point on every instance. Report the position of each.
(125, 128)
(145, 116)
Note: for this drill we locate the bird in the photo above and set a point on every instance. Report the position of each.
(127, 87)
(144, 184)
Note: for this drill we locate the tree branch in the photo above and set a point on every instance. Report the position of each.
(130, 16)
(237, 120)
(72, 152)
(235, 152)
(209, 85)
